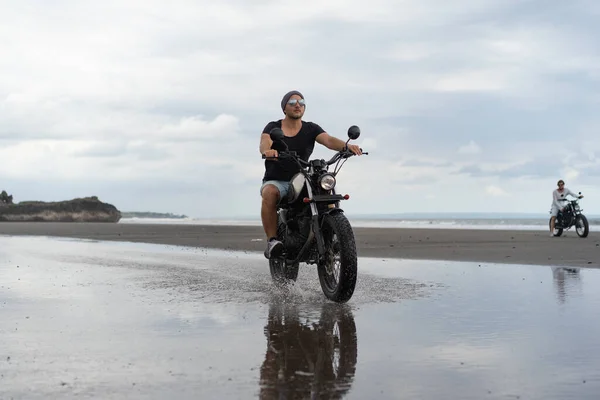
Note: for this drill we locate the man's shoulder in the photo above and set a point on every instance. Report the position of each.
(310, 124)
(272, 124)
(313, 126)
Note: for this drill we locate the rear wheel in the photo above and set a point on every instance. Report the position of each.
(582, 227)
(557, 231)
(338, 267)
(282, 272)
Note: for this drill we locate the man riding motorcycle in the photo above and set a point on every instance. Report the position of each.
(558, 195)
(300, 136)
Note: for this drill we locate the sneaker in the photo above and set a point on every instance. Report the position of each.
(274, 248)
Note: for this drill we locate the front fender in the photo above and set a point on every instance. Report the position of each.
(332, 211)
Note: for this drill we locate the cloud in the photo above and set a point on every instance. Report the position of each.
(570, 173)
(178, 150)
(495, 191)
(470, 148)
(117, 97)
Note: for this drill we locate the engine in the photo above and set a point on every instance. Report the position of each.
(568, 214)
(296, 233)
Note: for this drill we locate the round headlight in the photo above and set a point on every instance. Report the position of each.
(327, 182)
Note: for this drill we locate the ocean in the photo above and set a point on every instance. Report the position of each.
(431, 220)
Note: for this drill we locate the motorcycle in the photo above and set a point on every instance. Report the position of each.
(312, 226)
(571, 216)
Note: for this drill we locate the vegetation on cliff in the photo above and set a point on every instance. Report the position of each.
(86, 209)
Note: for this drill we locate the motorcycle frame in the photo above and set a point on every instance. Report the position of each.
(316, 216)
(574, 213)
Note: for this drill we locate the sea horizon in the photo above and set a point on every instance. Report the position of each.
(440, 220)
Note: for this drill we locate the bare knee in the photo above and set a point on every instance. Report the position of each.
(270, 195)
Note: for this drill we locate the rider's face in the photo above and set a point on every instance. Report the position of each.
(295, 107)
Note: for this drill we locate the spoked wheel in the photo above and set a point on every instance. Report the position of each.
(282, 272)
(582, 227)
(338, 267)
(339, 343)
(557, 231)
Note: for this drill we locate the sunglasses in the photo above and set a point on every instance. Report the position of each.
(293, 102)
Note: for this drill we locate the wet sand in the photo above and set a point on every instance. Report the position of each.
(491, 246)
(115, 320)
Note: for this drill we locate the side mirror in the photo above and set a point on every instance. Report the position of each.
(353, 132)
(276, 135)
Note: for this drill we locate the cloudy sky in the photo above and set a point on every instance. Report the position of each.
(469, 105)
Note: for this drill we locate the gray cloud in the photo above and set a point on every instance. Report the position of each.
(123, 94)
(542, 168)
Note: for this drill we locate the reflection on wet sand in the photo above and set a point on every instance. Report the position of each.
(308, 356)
(565, 279)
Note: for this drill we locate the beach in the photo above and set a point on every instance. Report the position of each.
(149, 311)
(110, 319)
(472, 245)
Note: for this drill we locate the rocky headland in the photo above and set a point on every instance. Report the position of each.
(85, 209)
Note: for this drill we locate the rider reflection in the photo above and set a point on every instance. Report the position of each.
(308, 357)
(564, 281)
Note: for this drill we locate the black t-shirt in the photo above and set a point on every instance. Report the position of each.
(303, 144)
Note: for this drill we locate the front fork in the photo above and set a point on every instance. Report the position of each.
(315, 222)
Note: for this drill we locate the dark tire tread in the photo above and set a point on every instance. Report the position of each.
(349, 263)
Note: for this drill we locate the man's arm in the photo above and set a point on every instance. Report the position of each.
(265, 143)
(331, 142)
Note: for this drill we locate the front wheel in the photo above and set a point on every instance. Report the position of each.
(582, 227)
(337, 268)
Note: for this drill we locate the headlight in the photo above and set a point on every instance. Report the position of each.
(577, 208)
(327, 181)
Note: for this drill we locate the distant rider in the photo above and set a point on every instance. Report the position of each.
(558, 195)
(300, 136)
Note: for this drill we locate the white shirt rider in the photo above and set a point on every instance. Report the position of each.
(558, 198)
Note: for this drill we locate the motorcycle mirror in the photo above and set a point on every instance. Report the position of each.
(353, 132)
(276, 135)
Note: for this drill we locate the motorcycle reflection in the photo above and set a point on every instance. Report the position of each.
(308, 359)
(565, 282)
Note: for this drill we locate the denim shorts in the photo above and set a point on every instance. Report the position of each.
(282, 186)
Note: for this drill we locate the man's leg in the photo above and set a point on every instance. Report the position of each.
(268, 213)
(272, 192)
(553, 214)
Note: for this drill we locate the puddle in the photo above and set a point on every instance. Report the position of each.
(128, 320)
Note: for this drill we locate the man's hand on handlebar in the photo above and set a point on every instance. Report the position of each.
(270, 154)
(354, 148)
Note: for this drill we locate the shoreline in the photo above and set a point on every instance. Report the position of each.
(470, 245)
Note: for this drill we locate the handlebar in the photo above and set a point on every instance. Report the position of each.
(342, 154)
(571, 200)
(292, 154)
(288, 154)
